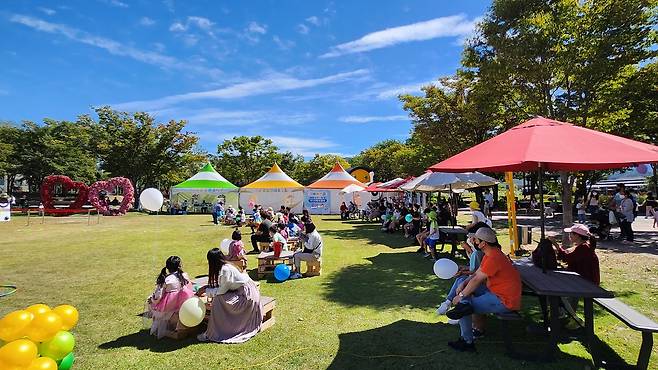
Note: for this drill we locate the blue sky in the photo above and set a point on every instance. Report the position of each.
(314, 76)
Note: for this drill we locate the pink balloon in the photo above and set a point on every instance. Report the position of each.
(642, 168)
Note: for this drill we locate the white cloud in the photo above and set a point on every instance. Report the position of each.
(219, 117)
(177, 27)
(366, 119)
(303, 29)
(111, 46)
(254, 27)
(146, 21)
(47, 11)
(393, 92)
(201, 22)
(117, 3)
(451, 26)
(313, 20)
(271, 84)
(305, 146)
(283, 44)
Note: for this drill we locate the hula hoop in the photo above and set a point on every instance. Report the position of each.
(10, 289)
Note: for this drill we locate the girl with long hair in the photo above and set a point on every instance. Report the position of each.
(172, 288)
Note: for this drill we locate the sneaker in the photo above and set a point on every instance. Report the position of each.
(202, 337)
(459, 311)
(453, 322)
(477, 334)
(462, 346)
(443, 308)
(426, 255)
(296, 275)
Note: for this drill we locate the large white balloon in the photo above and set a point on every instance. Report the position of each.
(151, 199)
(192, 312)
(445, 268)
(224, 246)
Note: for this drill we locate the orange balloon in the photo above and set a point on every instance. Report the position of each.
(20, 352)
(13, 325)
(43, 363)
(38, 308)
(69, 315)
(44, 326)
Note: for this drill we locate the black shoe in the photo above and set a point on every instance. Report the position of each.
(477, 334)
(459, 311)
(461, 345)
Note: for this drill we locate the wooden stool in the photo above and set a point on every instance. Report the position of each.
(263, 246)
(313, 268)
(268, 304)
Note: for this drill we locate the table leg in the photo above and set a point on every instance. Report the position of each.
(589, 322)
(453, 240)
(554, 302)
(543, 303)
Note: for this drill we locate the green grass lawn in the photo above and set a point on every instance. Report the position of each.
(373, 306)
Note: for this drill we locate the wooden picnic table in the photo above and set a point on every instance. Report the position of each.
(267, 262)
(454, 235)
(553, 285)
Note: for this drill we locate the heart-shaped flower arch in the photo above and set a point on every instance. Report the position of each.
(47, 187)
(109, 186)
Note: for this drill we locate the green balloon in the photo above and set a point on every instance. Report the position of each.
(67, 362)
(58, 347)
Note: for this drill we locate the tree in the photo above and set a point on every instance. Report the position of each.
(133, 145)
(388, 159)
(317, 167)
(9, 136)
(562, 59)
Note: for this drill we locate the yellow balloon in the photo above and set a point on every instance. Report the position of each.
(69, 315)
(13, 325)
(43, 363)
(38, 308)
(44, 326)
(20, 352)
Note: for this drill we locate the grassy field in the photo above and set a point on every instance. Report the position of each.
(373, 306)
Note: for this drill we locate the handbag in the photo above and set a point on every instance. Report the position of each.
(545, 249)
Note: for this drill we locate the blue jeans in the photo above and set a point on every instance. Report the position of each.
(581, 218)
(453, 291)
(483, 301)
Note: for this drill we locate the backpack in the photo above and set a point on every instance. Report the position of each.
(545, 247)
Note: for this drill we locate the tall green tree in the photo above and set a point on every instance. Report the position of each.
(389, 159)
(317, 167)
(9, 144)
(562, 59)
(133, 145)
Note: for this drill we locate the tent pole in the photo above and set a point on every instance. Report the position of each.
(543, 219)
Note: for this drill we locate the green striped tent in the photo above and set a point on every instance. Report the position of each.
(207, 185)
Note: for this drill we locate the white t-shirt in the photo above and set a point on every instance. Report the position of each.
(314, 242)
(230, 278)
(488, 198)
(480, 217)
(581, 208)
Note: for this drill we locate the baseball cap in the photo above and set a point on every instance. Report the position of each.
(487, 234)
(579, 229)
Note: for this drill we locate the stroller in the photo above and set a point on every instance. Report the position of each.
(602, 225)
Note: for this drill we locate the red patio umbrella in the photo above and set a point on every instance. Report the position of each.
(543, 144)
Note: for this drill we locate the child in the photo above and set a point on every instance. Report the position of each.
(236, 252)
(241, 217)
(277, 237)
(654, 213)
(172, 288)
(581, 210)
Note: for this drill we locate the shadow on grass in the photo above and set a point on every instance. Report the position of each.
(405, 344)
(142, 340)
(390, 280)
(370, 233)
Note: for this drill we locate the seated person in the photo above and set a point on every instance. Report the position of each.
(277, 237)
(262, 234)
(235, 316)
(172, 288)
(283, 230)
(494, 288)
(344, 213)
(236, 252)
(395, 220)
(434, 235)
(479, 219)
(240, 217)
(312, 249)
(581, 258)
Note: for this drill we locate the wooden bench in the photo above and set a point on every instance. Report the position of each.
(635, 321)
(313, 268)
(264, 246)
(504, 319)
(268, 304)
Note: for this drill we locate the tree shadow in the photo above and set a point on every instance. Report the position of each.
(405, 344)
(390, 280)
(142, 340)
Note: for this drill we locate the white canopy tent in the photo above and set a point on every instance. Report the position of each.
(444, 181)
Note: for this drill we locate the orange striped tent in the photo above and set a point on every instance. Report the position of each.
(323, 196)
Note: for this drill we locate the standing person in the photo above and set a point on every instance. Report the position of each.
(488, 203)
(627, 208)
(649, 205)
(262, 234)
(217, 208)
(593, 202)
(312, 249)
(580, 209)
(235, 316)
(494, 288)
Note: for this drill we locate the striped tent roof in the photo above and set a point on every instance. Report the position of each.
(275, 178)
(207, 178)
(337, 178)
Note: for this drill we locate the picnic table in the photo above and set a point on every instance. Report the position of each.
(454, 235)
(553, 285)
(267, 262)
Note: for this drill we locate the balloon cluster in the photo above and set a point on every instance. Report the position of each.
(38, 338)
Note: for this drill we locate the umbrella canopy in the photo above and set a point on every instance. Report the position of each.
(351, 189)
(275, 178)
(389, 186)
(443, 181)
(206, 178)
(337, 178)
(555, 145)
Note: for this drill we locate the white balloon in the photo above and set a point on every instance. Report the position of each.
(445, 268)
(151, 199)
(192, 312)
(224, 246)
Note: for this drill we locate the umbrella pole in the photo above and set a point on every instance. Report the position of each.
(453, 216)
(543, 218)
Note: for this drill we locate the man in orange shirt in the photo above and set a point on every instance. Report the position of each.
(494, 288)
